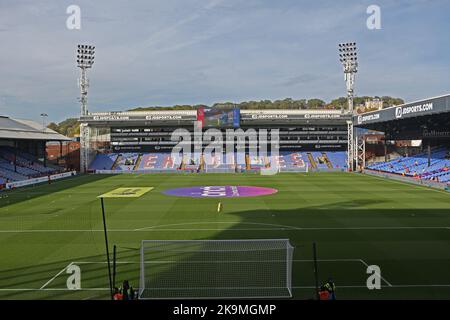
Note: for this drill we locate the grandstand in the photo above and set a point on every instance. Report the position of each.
(140, 141)
(367, 218)
(163, 162)
(314, 206)
(426, 120)
(22, 150)
(417, 166)
(286, 189)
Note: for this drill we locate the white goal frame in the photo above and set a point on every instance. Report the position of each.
(267, 269)
(304, 169)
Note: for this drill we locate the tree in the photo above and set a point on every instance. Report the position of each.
(53, 126)
(70, 127)
(315, 104)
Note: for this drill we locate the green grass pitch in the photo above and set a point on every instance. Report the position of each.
(356, 220)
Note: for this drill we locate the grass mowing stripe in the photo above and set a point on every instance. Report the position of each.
(401, 227)
(421, 187)
(57, 275)
(286, 228)
(382, 278)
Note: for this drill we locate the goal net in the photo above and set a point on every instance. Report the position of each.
(172, 269)
(303, 168)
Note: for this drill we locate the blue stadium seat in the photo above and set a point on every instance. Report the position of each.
(103, 161)
(418, 165)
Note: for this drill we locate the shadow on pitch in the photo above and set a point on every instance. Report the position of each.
(304, 226)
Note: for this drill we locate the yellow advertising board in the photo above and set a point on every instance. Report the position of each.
(130, 192)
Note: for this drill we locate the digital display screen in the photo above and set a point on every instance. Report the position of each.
(218, 118)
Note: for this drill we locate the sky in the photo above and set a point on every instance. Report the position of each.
(166, 52)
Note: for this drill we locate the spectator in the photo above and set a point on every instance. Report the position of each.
(117, 294)
(331, 288)
(126, 288)
(133, 295)
(324, 294)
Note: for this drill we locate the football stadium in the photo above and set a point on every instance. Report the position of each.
(392, 214)
(256, 201)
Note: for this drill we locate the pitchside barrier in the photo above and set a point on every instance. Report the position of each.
(220, 170)
(30, 182)
(138, 171)
(204, 269)
(185, 171)
(392, 176)
(213, 170)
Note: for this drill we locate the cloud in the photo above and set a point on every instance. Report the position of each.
(196, 51)
(301, 79)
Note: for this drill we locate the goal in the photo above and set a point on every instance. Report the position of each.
(304, 168)
(190, 269)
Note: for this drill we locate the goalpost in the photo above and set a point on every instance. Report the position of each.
(304, 169)
(190, 269)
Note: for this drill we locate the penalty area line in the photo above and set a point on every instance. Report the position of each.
(400, 286)
(406, 286)
(217, 261)
(55, 276)
(284, 228)
(54, 289)
(382, 278)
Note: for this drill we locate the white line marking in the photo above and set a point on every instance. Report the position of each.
(49, 281)
(293, 229)
(294, 287)
(218, 261)
(366, 264)
(393, 286)
(215, 222)
(54, 289)
(282, 228)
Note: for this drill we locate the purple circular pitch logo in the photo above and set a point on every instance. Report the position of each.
(220, 191)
